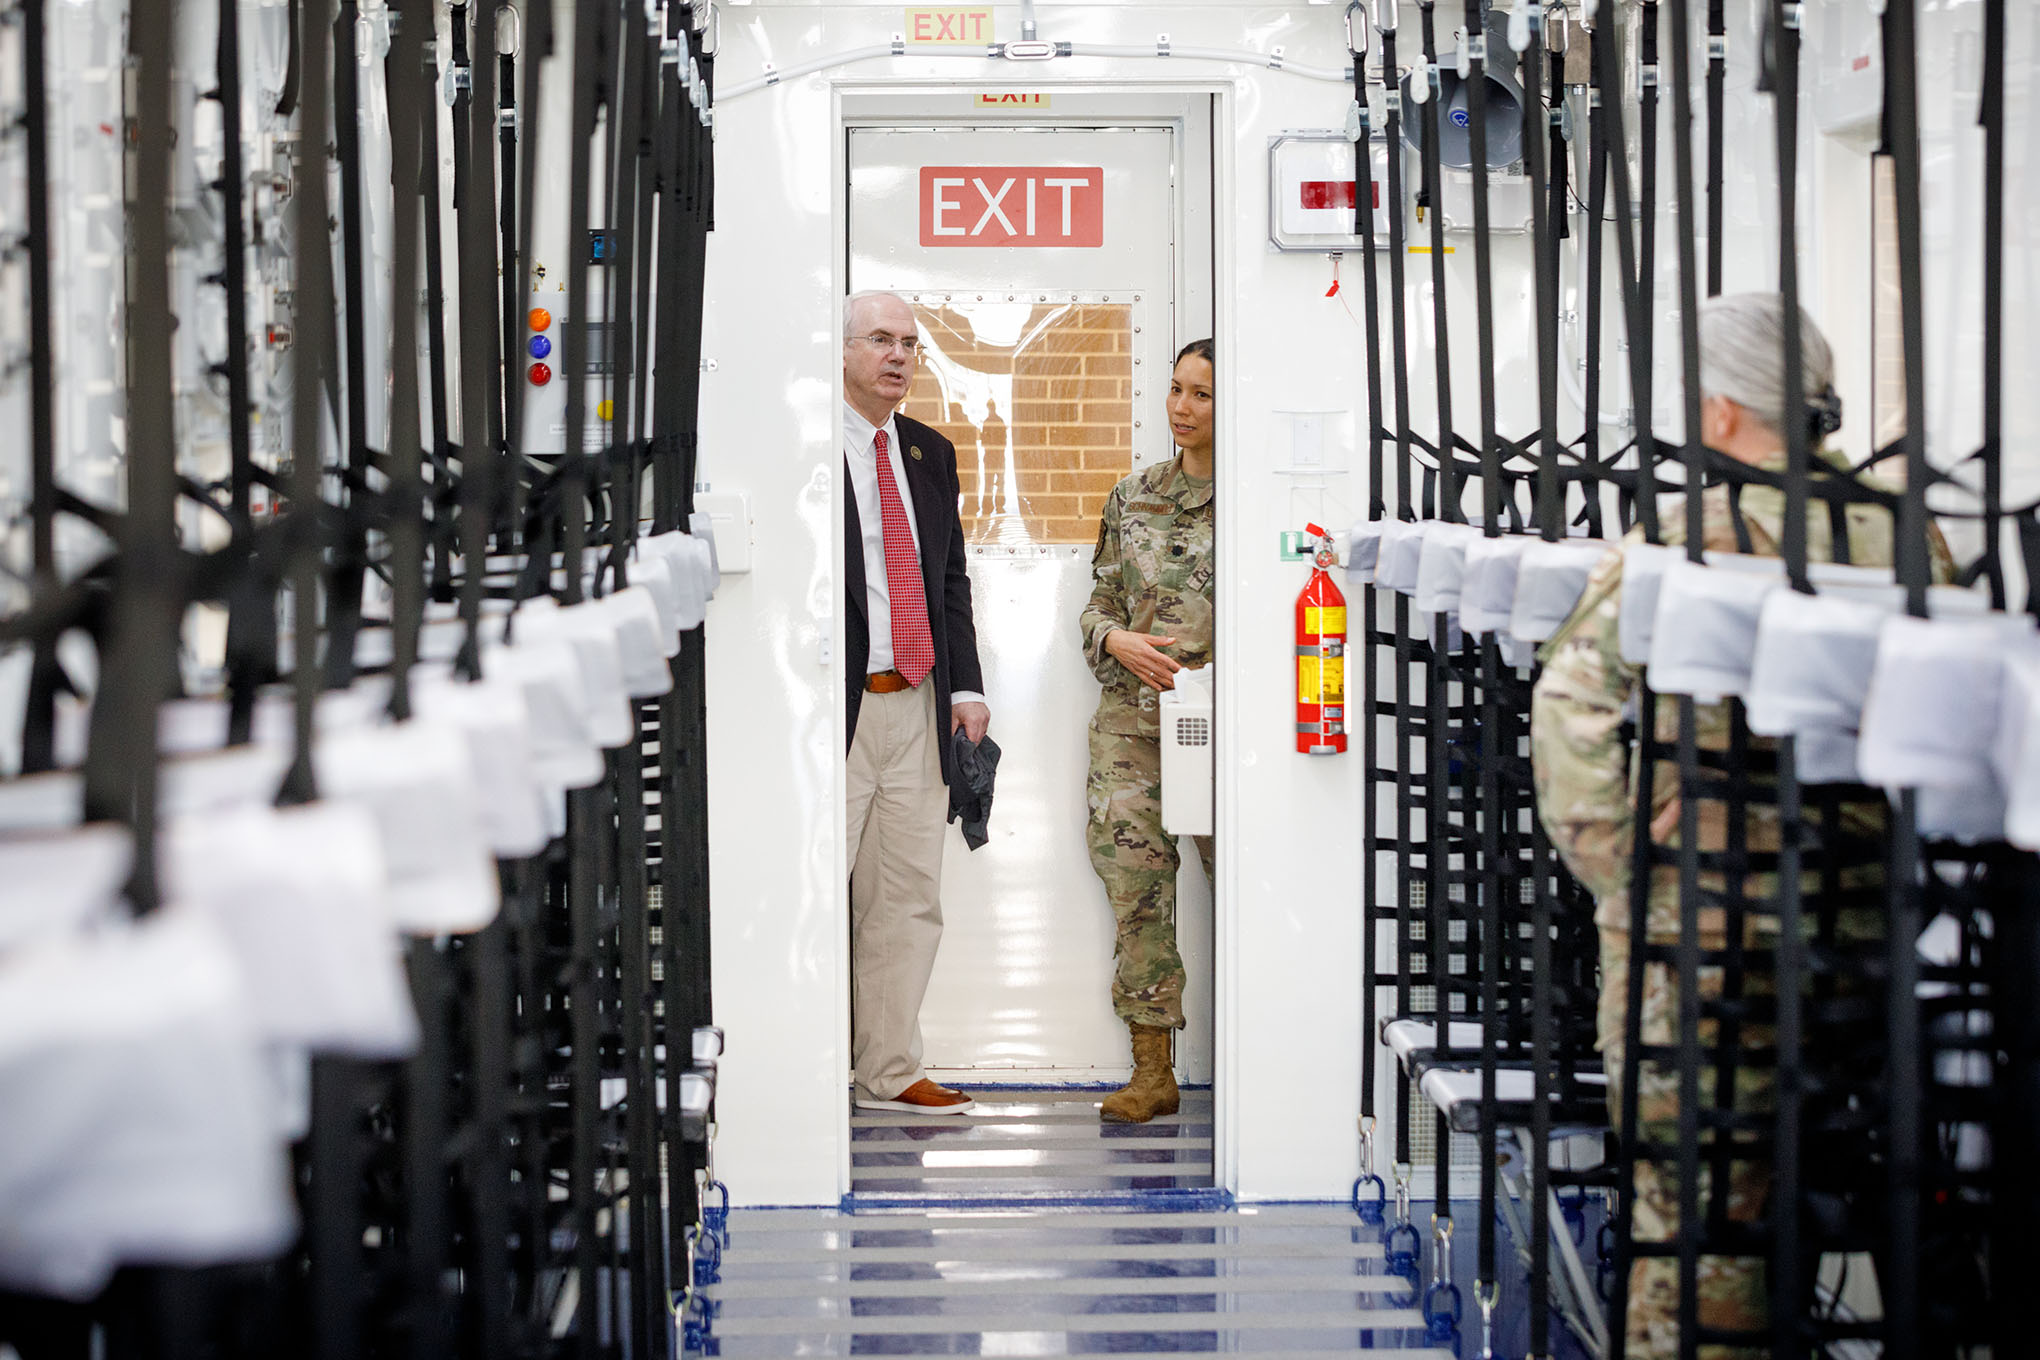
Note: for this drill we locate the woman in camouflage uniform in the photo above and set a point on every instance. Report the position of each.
(1585, 779)
(1150, 615)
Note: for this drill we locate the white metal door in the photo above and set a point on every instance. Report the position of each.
(1042, 264)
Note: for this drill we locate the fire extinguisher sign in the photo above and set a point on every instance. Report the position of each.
(1321, 679)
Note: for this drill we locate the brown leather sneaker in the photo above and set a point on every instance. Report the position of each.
(923, 1097)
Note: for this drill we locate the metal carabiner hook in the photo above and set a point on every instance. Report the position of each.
(1356, 36)
(515, 25)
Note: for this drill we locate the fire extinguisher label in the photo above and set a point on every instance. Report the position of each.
(1321, 681)
(1318, 621)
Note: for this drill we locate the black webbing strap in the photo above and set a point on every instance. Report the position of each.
(1437, 890)
(590, 49)
(1405, 786)
(1448, 507)
(480, 364)
(251, 607)
(1785, 78)
(590, 57)
(1642, 399)
(407, 107)
(439, 448)
(538, 52)
(1547, 206)
(634, 122)
(1991, 115)
(1611, 153)
(627, 130)
(1689, 1051)
(345, 582)
(1398, 254)
(1789, 1279)
(1488, 813)
(1717, 80)
(138, 668)
(512, 196)
(1634, 238)
(1544, 146)
(428, 1078)
(1597, 207)
(1903, 1071)
(631, 423)
(333, 1228)
(39, 722)
(1364, 190)
(679, 886)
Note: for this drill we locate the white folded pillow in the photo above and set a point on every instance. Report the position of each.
(62, 880)
(141, 1121)
(1402, 545)
(1487, 594)
(1913, 736)
(591, 634)
(1550, 579)
(1704, 637)
(415, 779)
(303, 900)
(1441, 566)
(1363, 551)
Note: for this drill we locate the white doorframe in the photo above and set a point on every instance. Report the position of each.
(1128, 103)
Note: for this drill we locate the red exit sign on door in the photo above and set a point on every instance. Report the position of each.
(1012, 205)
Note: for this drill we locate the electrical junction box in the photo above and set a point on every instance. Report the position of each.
(729, 523)
(1311, 189)
(1846, 50)
(1189, 766)
(1510, 211)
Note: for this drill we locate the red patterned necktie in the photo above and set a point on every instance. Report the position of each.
(913, 648)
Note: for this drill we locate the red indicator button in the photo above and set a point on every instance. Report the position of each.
(540, 318)
(541, 374)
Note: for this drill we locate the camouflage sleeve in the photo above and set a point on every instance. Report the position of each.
(1578, 757)
(1940, 560)
(1106, 609)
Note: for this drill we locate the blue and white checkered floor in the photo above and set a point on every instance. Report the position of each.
(1030, 1228)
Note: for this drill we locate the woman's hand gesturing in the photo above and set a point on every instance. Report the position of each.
(1141, 653)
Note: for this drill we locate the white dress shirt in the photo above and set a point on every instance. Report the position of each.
(860, 452)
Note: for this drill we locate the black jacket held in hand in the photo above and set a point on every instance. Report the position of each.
(930, 464)
(970, 790)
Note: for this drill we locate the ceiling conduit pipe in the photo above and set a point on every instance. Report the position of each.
(1031, 49)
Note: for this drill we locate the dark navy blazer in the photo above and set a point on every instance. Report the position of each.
(931, 478)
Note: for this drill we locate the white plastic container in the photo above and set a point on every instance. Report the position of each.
(1189, 770)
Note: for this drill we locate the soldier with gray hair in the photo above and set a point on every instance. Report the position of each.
(1742, 349)
(1586, 780)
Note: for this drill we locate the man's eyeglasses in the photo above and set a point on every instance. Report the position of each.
(908, 345)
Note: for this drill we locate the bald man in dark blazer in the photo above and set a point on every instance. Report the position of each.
(912, 673)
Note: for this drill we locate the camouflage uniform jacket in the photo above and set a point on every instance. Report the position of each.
(1584, 770)
(1151, 573)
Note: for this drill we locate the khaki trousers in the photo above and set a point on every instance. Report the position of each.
(898, 807)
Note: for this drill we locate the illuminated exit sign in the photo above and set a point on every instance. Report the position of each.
(1011, 101)
(1012, 205)
(935, 26)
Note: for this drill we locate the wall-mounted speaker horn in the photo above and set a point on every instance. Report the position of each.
(1455, 112)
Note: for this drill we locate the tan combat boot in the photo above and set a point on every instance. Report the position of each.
(1153, 1088)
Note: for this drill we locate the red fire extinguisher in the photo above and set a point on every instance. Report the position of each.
(1321, 656)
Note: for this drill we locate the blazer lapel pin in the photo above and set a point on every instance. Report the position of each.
(914, 452)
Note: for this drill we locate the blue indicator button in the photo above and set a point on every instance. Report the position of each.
(540, 346)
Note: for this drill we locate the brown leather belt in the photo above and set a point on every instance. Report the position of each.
(885, 682)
